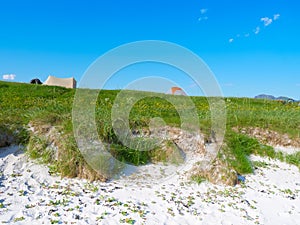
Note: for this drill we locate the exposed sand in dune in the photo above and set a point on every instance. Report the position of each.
(29, 195)
(287, 150)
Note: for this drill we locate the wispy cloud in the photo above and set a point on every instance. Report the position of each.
(267, 21)
(276, 17)
(203, 11)
(298, 85)
(9, 76)
(203, 15)
(203, 18)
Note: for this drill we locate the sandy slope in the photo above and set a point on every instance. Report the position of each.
(29, 195)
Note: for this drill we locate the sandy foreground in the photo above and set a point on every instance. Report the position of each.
(29, 195)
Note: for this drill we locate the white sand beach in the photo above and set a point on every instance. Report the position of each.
(29, 195)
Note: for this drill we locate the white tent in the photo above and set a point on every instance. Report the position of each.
(62, 82)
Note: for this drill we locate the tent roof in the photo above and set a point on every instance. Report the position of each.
(177, 91)
(62, 82)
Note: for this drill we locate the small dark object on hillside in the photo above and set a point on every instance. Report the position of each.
(241, 179)
(36, 81)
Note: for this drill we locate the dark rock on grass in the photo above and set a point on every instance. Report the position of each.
(5, 140)
(6, 137)
(36, 81)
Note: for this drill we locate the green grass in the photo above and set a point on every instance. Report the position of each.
(22, 104)
(273, 115)
(241, 147)
(293, 159)
(198, 179)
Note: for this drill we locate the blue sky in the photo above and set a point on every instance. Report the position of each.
(252, 46)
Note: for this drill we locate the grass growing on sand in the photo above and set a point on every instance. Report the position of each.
(46, 106)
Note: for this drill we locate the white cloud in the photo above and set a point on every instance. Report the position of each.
(267, 21)
(276, 16)
(9, 76)
(203, 18)
(257, 30)
(203, 11)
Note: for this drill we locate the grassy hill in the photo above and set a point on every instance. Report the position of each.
(45, 107)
